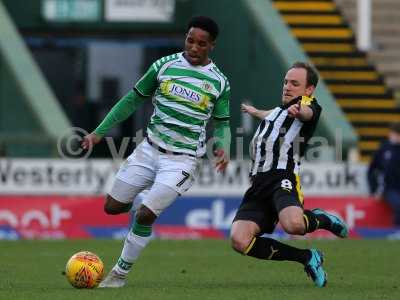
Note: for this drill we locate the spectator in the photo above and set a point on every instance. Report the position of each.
(384, 171)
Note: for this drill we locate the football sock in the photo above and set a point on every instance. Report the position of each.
(314, 221)
(310, 220)
(270, 249)
(134, 243)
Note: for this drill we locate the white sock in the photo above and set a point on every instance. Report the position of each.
(133, 245)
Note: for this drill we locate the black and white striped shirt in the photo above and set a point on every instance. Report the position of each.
(280, 141)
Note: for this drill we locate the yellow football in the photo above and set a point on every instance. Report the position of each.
(84, 270)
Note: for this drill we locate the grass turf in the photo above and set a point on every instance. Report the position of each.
(206, 269)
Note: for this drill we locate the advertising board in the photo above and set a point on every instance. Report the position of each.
(58, 217)
(95, 177)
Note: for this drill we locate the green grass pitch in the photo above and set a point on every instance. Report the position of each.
(206, 269)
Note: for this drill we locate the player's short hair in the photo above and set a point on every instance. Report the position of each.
(395, 126)
(206, 24)
(312, 75)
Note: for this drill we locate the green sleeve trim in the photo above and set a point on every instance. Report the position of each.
(120, 112)
(222, 135)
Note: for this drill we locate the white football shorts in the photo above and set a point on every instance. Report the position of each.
(166, 176)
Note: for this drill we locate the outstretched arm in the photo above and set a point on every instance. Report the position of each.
(120, 112)
(222, 135)
(301, 112)
(251, 110)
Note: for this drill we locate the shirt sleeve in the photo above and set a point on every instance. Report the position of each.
(221, 108)
(120, 112)
(312, 103)
(147, 85)
(222, 135)
(316, 108)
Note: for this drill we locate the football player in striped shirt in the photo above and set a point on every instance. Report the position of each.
(188, 90)
(275, 194)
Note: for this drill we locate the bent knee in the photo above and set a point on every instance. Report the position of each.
(294, 227)
(145, 216)
(240, 244)
(114, 207)
(242, 234)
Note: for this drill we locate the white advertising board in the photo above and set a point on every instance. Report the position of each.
(139, 10)
(94, 177)
(71, 10)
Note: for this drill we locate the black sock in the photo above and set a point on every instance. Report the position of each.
(310, 220)
(267, 248)
(314, 221)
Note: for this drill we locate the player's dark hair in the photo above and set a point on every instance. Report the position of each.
(206, 24)
(312, 75)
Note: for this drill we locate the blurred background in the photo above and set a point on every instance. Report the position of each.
(65, 63)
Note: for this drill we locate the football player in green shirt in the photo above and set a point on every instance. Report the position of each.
(187, 89)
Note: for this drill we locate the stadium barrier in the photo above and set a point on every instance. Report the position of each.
(59, 217)
(95, 177)
(50, 198)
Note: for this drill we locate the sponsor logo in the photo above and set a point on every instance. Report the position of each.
(188, 94)
(49, 176)
(306, 100)
(44, 177)
(56, 217)
(216, 216)
(52, 219)
(173, 89)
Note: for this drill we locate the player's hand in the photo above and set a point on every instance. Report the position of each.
(250, 109)
(90, 140)
(294, 110)
(222, 160)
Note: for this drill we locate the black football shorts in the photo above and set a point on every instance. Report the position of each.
(269, 193)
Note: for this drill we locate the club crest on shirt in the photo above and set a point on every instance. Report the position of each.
(207, 86)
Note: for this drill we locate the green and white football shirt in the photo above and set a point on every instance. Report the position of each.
(185, 97)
